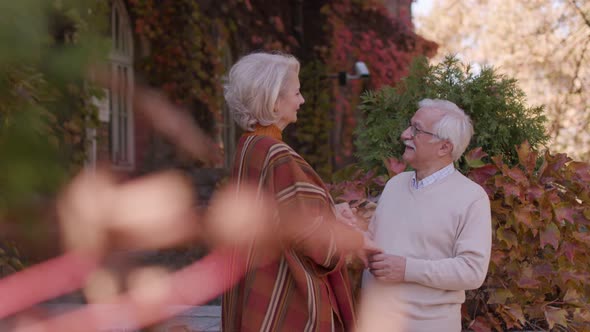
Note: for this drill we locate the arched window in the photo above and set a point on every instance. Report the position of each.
(121, 99)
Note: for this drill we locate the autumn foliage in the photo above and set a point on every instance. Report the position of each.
(540, 264)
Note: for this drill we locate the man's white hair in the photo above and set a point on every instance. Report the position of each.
(254, 84)
(454, 125)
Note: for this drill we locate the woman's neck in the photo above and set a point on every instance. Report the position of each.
(271, 130)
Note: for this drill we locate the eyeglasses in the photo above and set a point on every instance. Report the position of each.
(415, 131)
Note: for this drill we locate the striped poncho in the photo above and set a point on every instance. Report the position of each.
(305, 286)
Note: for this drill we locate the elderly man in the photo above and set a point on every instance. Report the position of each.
(434, 226)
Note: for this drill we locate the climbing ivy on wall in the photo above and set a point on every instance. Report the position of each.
(365, 31)
(184, 57)
(189, 39)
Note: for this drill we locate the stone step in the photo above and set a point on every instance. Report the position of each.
(191, 318)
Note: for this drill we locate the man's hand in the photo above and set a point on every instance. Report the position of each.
(390, 268)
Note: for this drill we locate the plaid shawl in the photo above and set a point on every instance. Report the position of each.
(305, 287)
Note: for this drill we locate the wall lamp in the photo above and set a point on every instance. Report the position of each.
(360, 71)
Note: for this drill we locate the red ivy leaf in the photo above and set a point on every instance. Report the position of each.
(527, 282)
(394, 166)
(552, 163)
(474, 158)
(545, 210)
(523, 215)
(564, 213)
(567, 276)
(480, 324)
(352, 194)
(543, 270)
(527, 157)
(498, 257)
(498, 161)
(568, 249)
(515, 174)
(535, 192)
(581, 170)
(582, 237)
(508, 236)
(510, 189)
(481, 174)
(550, 235)
(476, 154)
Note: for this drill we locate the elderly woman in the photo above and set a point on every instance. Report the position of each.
(305, 287)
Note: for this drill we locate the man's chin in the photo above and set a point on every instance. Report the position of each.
(408, 153)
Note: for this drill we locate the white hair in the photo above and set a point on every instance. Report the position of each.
(454, 125)
(253, 86)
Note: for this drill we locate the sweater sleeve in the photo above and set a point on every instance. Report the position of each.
(306, 217)
(468, 268)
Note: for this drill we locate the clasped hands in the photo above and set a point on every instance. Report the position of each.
(385, 267)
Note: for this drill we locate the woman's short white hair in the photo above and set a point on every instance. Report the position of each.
(253, 86)
(454, 125)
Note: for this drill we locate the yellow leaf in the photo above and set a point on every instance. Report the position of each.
(516, 312)
(581, 315)
(556, 316)
(499, 296)
(571, 296)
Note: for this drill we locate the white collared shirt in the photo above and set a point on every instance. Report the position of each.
(434, 177)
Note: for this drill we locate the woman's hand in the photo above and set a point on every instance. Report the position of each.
(370, 249)
(346, 214)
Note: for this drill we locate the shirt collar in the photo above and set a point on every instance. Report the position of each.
(434, 177)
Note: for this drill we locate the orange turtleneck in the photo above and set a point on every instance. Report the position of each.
(272, 131)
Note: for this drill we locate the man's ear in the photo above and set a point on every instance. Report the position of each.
(446, 148)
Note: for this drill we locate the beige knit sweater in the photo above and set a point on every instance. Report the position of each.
(444, 231)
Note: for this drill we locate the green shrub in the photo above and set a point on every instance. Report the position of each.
(494, 102)
(45, 51)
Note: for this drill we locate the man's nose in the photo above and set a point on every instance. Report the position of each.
(406, 134)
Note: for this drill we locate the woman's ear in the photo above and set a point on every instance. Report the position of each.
(277, 106)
